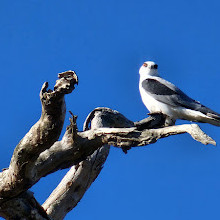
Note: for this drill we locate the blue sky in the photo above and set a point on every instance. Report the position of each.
(106, 42)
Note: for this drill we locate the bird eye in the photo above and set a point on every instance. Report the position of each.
(145, 64)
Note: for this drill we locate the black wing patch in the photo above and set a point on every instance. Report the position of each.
(175, 97)
(157, 88)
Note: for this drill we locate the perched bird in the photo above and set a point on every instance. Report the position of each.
(159, 95)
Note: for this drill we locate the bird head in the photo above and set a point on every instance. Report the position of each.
(149, 68)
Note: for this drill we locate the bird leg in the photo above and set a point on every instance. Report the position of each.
(165, 120)
(169, 121)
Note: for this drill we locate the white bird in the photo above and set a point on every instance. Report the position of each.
(159, 95)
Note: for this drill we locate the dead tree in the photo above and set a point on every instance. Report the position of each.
(39, 153)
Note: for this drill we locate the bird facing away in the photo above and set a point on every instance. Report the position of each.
(159, 95)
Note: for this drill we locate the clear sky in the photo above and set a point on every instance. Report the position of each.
(106, 42)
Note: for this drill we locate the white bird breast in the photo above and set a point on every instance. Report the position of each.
(153, 105)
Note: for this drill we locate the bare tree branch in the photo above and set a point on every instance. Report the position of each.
(42, 135)
(69, 151)
(39, 153)
(23, 207)
(131, 137)
(74, 185)
(77, 146)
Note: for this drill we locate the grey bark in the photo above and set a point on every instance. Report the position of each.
(74, 185)
(39, 153)
(24, 207)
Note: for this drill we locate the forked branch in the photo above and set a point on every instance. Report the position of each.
(39, 153)
(74, 185)
(18, 177)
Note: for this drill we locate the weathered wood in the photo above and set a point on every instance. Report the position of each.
(39, 153)
(24, 207)
(73, 186)
(75, 183)
(18, 177)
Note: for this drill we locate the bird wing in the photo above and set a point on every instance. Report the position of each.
(165, 92)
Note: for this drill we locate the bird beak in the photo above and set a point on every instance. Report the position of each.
(154, 66)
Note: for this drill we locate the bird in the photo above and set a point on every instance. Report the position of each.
(161, 96)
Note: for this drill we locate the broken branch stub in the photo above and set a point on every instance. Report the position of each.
(77, 146)
(111, 128)
(79, 178)
(18, 177)
(39, 153)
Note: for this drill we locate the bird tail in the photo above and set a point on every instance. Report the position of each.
(213, 118)
(209, 116)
